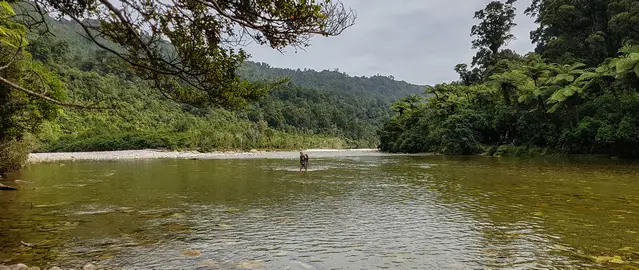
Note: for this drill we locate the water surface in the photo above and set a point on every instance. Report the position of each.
(347, 212)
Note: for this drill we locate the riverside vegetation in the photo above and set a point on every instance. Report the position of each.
(576, 94)
(326, 109)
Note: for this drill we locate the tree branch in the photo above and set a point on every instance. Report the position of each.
(49, 99)
(14, 57)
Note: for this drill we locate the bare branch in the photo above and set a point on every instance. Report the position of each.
(31, 22)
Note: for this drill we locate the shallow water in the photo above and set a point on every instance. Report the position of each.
(347, 212)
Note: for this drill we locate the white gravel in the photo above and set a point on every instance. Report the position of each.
(155, 154)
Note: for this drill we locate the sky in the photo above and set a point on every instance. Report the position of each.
(418, 41)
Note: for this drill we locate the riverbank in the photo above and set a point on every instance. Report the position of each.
(159, 154)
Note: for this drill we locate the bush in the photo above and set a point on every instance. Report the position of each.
(14, 153)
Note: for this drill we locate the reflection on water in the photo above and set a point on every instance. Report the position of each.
(361, 212)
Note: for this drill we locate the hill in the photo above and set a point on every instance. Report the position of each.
(314, 109)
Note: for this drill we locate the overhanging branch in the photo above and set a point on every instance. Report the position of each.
(49, 99)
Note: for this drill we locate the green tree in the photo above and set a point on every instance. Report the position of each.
(21, 111)
(494, 31)
(583, 31)
(186, 47)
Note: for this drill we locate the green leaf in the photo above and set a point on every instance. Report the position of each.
(558, 96)
(625, 64)
(637, 70)
(537, 92)
(568, 92)
(7, 8)
(587, 76)
(522, 98)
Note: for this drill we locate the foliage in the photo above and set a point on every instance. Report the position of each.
(188, 47)
(13, 154)
(314, 109)
(531, 105)
(584, 31)
(50, 70)
(493, 31)
(21, 110)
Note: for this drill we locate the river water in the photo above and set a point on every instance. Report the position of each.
(348, 212)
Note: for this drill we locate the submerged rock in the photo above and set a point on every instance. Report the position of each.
(89, 266)
(191, 253)
(26, 244)
(3, 187)
(55, 268)
(34, 268)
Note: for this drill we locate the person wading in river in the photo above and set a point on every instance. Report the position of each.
(303, 162)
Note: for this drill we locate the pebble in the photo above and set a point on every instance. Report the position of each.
(89, 266)
(55, 268)
(152, 154)
(34, 268)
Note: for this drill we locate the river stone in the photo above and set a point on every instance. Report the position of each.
(191, 253)
(4, 267)
(55, 268)
(34, 268)
(89, 266)
(19, 267)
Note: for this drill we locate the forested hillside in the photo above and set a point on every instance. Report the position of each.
(380, 87)
(313, 109)
(578, 93)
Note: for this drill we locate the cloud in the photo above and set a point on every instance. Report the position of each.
(419, 41)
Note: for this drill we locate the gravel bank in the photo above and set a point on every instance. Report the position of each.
(21, 266)
(155, 154)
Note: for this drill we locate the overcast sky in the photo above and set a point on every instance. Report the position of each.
(418, 41)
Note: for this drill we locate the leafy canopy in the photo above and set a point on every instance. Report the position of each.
(188, 48)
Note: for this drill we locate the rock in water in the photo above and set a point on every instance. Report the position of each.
(191, 253)
(3, 187)
(4, 267)
(26, 244)
(55, 268)
(34, 268)
(89, 266)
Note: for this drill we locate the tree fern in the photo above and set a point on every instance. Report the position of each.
(11, 34)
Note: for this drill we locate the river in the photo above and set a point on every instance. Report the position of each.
(350, 211)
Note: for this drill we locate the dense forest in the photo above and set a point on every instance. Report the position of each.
(309, 109)
(577, 93)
